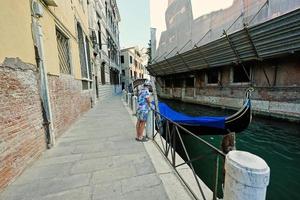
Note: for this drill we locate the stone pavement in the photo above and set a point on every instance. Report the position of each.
(97, 158)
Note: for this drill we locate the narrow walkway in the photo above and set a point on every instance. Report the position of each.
(97, 158)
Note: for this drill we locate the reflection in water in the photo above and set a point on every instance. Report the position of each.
(277, 142)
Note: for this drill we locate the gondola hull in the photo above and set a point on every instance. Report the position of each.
(209, 125)
(238, 124)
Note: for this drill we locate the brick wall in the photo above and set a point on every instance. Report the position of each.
(68, 101)
(278, 94)
(22, 135)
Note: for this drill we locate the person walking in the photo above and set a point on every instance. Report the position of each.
(142, 111)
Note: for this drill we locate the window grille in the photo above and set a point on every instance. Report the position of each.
(63, 53)
(83, 64)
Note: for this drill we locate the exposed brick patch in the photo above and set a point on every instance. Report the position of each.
(22, 135)
(68, 101)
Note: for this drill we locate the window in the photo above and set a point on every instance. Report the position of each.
(103, 73)
(99, 36)
(85, 85)
(84, 53)
(130, 73)
(168, 83)
(212, 76)
(135, 75)
(189, 82)
(122, 59)
(87, 51)
(135, 63)
(178, 82)
(240, 75)
(63, 53)
(130, 58)
(123, 72)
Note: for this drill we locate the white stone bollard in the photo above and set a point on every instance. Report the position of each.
(134, 104)
(123, 95)
(247, 176)
(150, 125)
(129, 99)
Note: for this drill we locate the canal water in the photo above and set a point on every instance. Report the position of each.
(277, 142)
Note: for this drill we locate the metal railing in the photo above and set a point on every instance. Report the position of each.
(170, 136)
(167, 135)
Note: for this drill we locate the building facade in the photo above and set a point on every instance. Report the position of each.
(104, 21)
(250, 44)
(133, 63)
(54, 63)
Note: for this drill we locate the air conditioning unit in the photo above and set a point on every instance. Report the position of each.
(50, 2)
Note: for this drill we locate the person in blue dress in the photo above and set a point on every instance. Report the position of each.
(143, 108)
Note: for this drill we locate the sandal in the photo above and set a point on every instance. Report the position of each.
(143, 139)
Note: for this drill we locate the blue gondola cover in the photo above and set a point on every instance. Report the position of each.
(216, 122)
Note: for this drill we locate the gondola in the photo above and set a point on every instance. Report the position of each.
(210, 125)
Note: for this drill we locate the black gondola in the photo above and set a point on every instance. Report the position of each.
(211, 125)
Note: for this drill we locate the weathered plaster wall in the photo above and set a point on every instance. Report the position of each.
(15, 31)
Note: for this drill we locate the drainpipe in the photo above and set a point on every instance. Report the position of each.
(44, 90)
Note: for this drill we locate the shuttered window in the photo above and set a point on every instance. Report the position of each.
(63, 53)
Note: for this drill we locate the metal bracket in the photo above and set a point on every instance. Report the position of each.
(170, 65)
(196, 45)
(202, 55)
(251, 42)
(236, 54)
(242, 14)
(182, 59)
(266, 3)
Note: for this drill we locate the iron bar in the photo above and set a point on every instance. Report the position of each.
(196, 45)
(251, 41)
(182, 59)
(184, 46)
(266, 3)
(266, 75)
(170, 146)
(242, 14)
(237, 55)
(192, 134)
(191, 165)
(216, 179)
(192, 160)
(178, 174)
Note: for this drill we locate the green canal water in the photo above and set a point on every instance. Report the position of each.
(277, 142)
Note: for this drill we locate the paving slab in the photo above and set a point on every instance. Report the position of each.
(97, 158)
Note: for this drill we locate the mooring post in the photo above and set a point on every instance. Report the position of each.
(123, 95)
(129, 99)
(134, 104)
(150, 124)
(246, 176)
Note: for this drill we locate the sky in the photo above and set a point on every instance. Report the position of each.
(135, 23)
(200, 7)
(136, 20)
